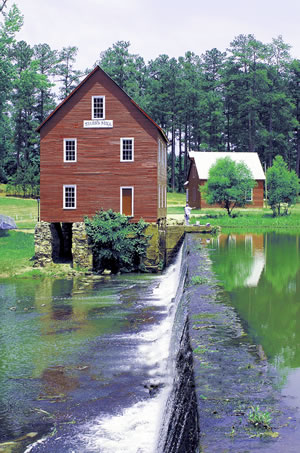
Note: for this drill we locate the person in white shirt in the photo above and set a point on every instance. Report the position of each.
(187, 213)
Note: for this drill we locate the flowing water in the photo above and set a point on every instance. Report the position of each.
(261, 276)
(87, 361)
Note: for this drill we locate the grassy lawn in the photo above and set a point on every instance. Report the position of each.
(16, 247)
(2, 190)
(250, 219)
(15, 258)
(245, 218)
(176, 199)
(22, 210)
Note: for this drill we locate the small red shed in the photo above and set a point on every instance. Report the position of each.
(99, 149)
(201, 163)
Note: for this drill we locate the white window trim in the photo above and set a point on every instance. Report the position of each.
(159, 196)
(64, 196)
(159, 151)
(121, 149)
(65, 151)
(97, 97)
(132, 199)
(249, 200)
(166, 156)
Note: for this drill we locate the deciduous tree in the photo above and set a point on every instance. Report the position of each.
(228, 184)
(283, 186)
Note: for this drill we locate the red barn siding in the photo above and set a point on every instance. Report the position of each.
(98, 172)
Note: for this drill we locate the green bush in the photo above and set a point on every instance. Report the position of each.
(117, 244)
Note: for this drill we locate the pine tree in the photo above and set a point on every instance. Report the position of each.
(66, 74)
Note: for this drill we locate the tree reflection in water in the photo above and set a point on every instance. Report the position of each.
(261, 276)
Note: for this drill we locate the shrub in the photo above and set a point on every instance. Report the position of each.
(117, 244)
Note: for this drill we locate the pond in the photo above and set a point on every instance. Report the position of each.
(261, 277)
(86, 360)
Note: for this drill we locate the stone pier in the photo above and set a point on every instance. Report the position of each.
(55, 242)
(81, 249)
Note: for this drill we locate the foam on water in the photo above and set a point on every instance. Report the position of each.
(136, 429)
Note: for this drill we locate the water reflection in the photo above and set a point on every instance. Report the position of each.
(242, 263)
(45, 325)
(261, 274)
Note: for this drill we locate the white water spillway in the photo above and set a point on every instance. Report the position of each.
(135, 377)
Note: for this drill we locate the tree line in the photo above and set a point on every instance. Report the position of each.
(32, 81)
(245, 99)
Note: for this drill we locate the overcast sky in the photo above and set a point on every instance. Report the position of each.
(155, 27)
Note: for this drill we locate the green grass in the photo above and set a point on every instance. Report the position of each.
(252, 219)
(17, 248)
(22, 210)
(2, 190)
(176, 199)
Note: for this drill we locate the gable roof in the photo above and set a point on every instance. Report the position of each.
(97, 68)
(204, 160)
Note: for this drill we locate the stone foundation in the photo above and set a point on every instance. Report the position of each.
(156, 251)
(44, 243)
(55, 242)
(81, 250)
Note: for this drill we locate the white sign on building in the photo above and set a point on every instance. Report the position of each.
(98, 123)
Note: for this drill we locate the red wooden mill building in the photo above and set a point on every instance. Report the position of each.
(99, 149)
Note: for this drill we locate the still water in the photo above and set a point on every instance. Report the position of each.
(87, 360)
(261, 276)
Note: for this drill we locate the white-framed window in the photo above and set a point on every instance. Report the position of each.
(159, 195)
(159, 151)
(249, 195)
(166, 156)
(98, 107)
(69, 196)
(162, 155)
(127, 149)
(70, 150)
(127, 201)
